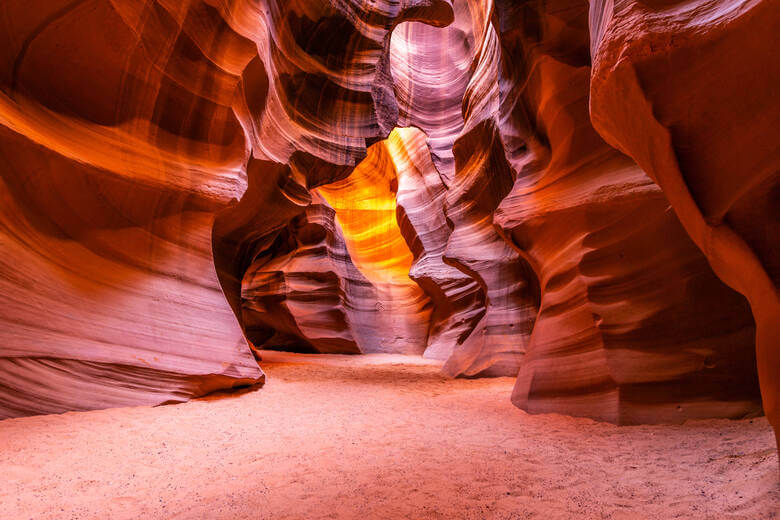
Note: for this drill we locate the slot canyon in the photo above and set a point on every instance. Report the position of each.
(389, 259)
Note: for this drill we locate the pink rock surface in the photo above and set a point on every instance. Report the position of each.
(457, 299)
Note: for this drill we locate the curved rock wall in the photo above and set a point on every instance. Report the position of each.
(111, 172)
(431, 68)
(572, 184)
(302, 297)
(457, 299)
(365, 204)
(688, 90)
(482, 178)
(128, 129)
(634, 327)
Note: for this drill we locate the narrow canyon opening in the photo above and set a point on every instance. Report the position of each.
(337, 278)
(363, 267)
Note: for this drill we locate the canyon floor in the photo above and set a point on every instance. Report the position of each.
(377, 436)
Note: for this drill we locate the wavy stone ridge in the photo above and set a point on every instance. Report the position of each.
(127, 131)
(457, 299)
(634, 327)
(301, 296)
(698, 114)
(567, 187)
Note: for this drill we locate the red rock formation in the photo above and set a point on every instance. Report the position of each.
(482, 178)
(302, 295)
(457, 299)
(125, 127)
(111, 173)
(398, 311)
(633, 325)
(431, 77)
(431, 68)
(167, 163)
(688, 90)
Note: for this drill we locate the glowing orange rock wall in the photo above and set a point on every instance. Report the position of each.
(128, 131)
(336, 279)
(365, 205)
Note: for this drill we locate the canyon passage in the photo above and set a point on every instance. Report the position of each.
(445, 258)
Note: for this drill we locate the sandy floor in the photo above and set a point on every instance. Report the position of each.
(377, 437)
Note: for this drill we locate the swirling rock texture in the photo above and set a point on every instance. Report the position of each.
(125, 127)
(299, 296)
(431, 68)
(366, 208)
(336, 279)
(614, 265)
(112, 170)
(562, 204)
(689, 91)
(431, 85)
(458, 300)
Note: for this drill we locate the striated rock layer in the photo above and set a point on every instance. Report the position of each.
(567, 187)
(435, 88)
(458, 301)
(110, 177)
(689, 91)
(633, 326)
(365, 205)
(302, 296)
(126, 130)
(336, 278)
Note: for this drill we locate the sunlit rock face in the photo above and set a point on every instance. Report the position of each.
(553, 190)
(336, 279)
(437, 93)
(125, 128)
(365, 205)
